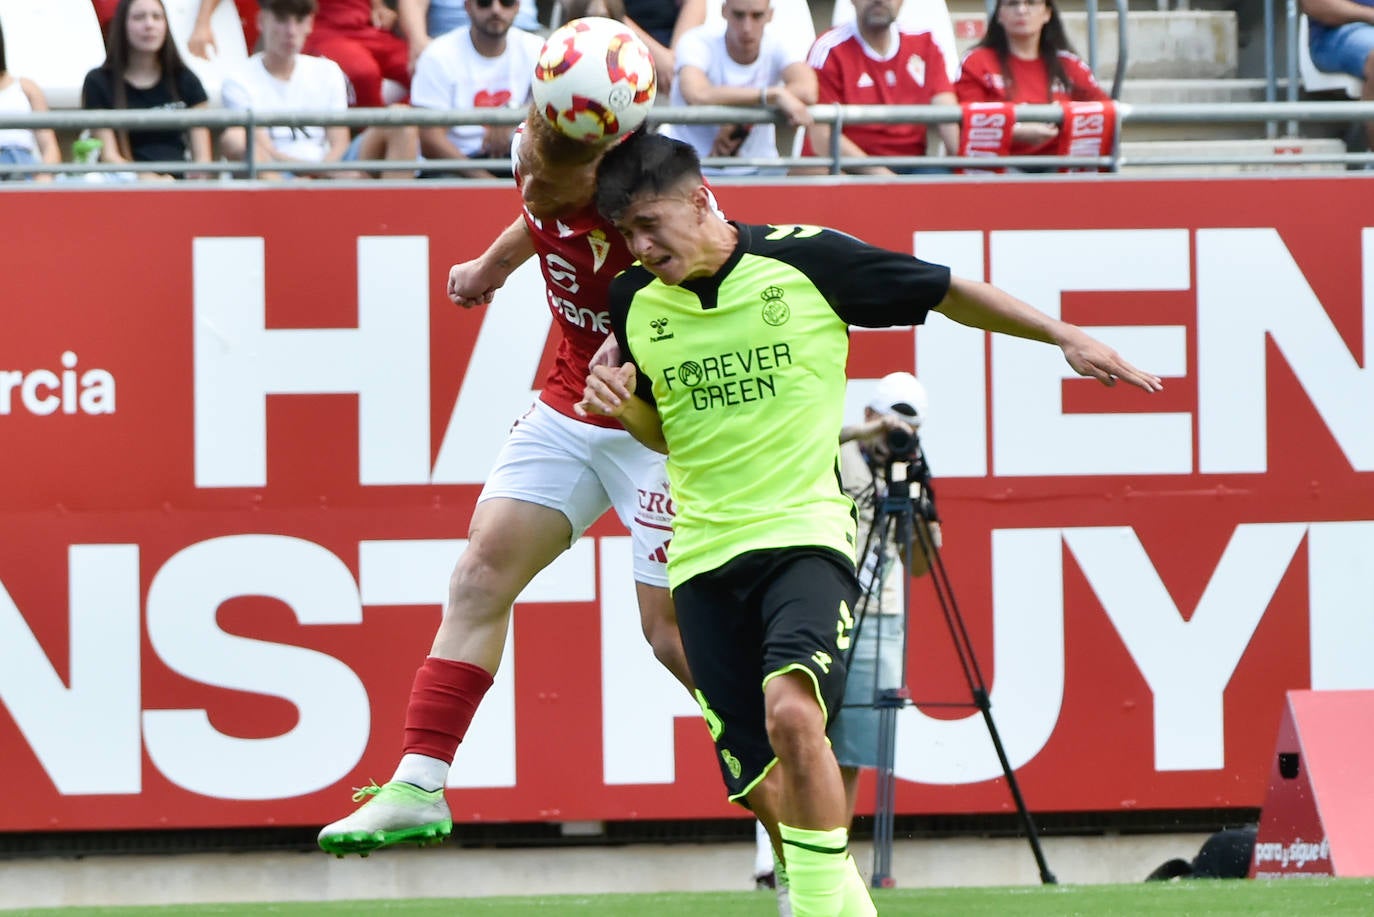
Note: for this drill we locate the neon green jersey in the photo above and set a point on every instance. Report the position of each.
(747, 369)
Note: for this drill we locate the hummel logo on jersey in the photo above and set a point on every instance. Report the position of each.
(660, 326)
(865, 81)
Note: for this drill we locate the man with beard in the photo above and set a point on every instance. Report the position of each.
(486, 65)
(877, 61)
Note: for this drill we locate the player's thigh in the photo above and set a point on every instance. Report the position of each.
(636, 480)
(509, 541)
(546, 461)
(722, 635)
(807, 612)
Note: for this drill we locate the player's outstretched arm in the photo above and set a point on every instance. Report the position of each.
(610, 392)
(475, 282)
(981, 305)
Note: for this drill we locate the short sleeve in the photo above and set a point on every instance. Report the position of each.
(95, 91)
(428, 88)
(234, 92)
(337, 85)
(936, 70)
(972, 85)
(865, 285)
(191, 89)
(693, 50)
(828, 78)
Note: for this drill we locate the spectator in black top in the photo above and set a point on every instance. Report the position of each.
(143, 70)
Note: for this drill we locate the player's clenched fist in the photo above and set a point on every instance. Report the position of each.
(608, 390)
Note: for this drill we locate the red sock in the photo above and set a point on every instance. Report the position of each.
(442, 701)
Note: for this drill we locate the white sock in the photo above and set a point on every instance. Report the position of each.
(763, 850)
(427, 773)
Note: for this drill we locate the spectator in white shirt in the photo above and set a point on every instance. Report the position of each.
(486, 65)
(740, 62)
(280, 78)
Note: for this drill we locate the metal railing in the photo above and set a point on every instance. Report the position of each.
(835, 115)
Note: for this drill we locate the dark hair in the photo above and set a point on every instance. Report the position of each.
(289, 9)
(642, 163)
(1052, 40)
(3, 65)
(576, 9)
(117, 55)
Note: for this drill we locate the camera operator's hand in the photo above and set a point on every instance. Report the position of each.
(873, 432)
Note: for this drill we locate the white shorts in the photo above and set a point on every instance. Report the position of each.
(582, 470)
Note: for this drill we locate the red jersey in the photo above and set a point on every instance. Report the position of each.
(579, 255)
(981, 80)
(849, 72)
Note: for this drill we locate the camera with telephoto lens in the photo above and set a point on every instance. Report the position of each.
(902, 445)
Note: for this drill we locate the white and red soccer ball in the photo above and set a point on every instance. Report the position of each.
(594, 79)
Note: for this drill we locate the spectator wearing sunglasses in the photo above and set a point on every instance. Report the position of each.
(486, 65)
(443, 16)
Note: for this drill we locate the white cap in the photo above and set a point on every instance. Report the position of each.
(901, 394)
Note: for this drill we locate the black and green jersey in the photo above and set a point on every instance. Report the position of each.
(747, 368)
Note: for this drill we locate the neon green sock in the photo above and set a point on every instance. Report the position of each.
(823, 877)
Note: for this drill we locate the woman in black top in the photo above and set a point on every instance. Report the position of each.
(142, 69)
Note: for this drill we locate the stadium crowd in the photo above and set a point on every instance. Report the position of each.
(471, 54)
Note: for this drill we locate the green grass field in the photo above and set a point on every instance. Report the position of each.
(1325, 897)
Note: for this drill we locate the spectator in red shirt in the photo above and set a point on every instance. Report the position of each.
(357, 35)
(1026, 57)
(876, 61)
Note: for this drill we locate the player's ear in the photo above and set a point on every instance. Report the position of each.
(701, 200)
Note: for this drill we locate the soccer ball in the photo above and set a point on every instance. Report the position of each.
(594, 79)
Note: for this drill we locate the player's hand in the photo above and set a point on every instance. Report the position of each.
(608, 390)
(469, 284)
(1090, 357)
(608, 354)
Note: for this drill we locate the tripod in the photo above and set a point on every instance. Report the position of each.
(895, 512)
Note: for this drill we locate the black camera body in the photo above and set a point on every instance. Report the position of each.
(903, 445)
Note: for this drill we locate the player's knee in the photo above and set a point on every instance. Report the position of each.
(794, 722)
(479, 587)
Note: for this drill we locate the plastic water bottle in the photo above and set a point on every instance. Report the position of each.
(86, 149)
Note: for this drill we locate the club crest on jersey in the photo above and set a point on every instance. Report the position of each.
(775, 311)
(916, 66)
(601, 247)
(661, 332)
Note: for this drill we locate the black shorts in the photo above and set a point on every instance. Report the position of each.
(758, 615)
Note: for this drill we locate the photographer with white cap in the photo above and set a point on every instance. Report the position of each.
(893, 414)
(891, 418)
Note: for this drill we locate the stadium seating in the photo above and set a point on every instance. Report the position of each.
(1314, 80)
(55, 43)
(229, 40)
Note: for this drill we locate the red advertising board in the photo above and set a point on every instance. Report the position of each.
(243, 431)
